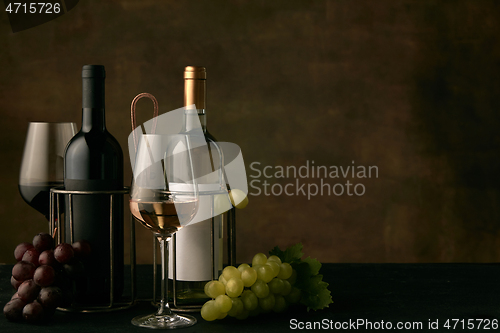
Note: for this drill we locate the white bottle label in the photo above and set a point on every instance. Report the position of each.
(193, 248)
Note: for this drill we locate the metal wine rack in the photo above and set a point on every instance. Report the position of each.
(55, 222)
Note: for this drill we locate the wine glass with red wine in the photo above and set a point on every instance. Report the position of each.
(164, 199)
(42, 164)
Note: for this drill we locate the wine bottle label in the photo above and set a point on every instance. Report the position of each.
(193, 244)
(193, 252)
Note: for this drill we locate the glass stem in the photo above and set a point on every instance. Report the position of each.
(164, 309)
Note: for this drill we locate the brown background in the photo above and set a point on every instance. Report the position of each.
(409, 86)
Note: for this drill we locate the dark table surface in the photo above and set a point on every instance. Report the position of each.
(393, 293)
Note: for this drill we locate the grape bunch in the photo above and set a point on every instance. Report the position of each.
(266, 286)
(43, 277)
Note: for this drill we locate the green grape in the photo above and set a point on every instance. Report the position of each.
(223, 303)
(256, 267)
(293, 277)
(238, 198)
(259, 259)
(222, 279)
(265, 273)
(267, 303)
(275, 259)
(264, 286)
(274, 266)
(242, 267)
(280, 304)
(276, 286)
(285, 271)
(243, 314)
(231, 272)
(287, 287)
(237, 307)
(209, 311)
(222, 204)
(214, 289)
(294, 296)
(234, 287)
(206, 287)
(250, 301)
(248, 276)
(260, 288)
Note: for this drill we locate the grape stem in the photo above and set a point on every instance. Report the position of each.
(164, 309)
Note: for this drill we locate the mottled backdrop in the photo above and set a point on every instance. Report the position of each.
(408, 86)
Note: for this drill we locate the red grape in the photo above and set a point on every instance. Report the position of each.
(64, 253)
(28, 291)
(43, 241)
(23, 271)
(50, 297)
(14, 309)
(20, 249)
(82, 249)
(47, 258)
(15, 283)
(33, 312)
(31, 255)
(44, 276)
(15, 296)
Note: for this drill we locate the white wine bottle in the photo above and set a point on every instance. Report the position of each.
(196, 263)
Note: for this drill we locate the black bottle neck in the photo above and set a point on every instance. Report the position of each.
(93, 104)
(93, 119)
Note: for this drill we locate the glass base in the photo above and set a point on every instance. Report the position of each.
(164, 322)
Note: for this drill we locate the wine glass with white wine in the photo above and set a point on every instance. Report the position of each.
(164, 199)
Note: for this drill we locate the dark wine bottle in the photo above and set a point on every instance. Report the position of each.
(93, 161)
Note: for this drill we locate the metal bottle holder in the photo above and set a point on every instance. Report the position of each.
(55, 222)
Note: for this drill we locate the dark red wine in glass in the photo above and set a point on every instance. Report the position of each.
(42, 164)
